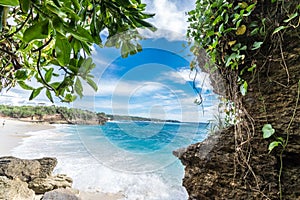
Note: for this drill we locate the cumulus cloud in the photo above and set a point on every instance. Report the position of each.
(184, 75)
(170, 16)
(17, 97)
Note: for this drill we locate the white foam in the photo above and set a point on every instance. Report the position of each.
(90, 175)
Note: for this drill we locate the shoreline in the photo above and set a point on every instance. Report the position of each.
(12, 132)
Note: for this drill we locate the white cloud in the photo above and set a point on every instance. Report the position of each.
(17, 97)
(170, 14)
(163, 33)
(127, 88)
(184, 75)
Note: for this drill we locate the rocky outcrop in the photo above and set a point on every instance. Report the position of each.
(42, 185)
(15, 190)
(212, 170)
(62, 194)
(21, 179)
(26, 170)
(236, 163)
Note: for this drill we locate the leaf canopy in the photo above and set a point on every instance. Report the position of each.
(54, 36)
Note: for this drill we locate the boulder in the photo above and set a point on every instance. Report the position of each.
(26, 170)
(62, 194)
(15, 190)
(42, 185)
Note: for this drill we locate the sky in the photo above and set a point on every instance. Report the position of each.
(156, 82)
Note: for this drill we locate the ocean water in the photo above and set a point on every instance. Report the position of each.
(133, 158)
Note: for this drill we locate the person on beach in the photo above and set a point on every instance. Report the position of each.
(3, 123)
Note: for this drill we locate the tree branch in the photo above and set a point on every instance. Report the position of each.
(8, 52)
(40, 73)
(43, 46)
(20, 28)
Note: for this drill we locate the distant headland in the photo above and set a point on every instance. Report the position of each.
(63, 115)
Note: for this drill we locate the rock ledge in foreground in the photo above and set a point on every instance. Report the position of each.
(23, 179)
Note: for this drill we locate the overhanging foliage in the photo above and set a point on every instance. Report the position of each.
(47, 37)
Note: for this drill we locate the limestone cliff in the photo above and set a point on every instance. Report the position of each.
(236, 164)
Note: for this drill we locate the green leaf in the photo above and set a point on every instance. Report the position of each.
(92, 84)
(125, 50)
(252, 68)
(256, 45)
(78, 87)
(244, 88)
(55, 10)
(23, 85)
(243, 5)
(85, 67)
(280, 139)
(48, 75)
(81, 34)
(55, 85)
(250, 8)
(25, 5)
(254, 31)
(273, 144)
(112, 41)
(56, 2)
(291, 17)
(9, 3)
(268, 131)
(21, 75)
(76, 4)
(39, 30)
(69, 98)
(48, 94)
(35, 93)
(146, 24)
(63, 51)
(241, 30)
(279, 29)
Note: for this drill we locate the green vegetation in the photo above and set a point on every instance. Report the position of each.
(40, 112)
(268, 132)
(254, 48)
(50, 42)
(236, 34)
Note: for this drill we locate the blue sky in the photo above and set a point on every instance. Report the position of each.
(156, 82)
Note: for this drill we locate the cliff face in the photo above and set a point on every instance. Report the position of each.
(224, 167)
(212, 170)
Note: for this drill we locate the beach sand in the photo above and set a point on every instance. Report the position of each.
(12, 133)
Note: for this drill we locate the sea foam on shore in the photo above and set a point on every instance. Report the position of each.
(103, 170)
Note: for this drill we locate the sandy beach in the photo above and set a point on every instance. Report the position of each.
(13, 131)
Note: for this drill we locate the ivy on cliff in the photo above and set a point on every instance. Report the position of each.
(235, 33)
(240, 38)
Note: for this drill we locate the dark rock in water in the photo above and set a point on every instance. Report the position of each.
(62, 194)
(179, 152)
(26, 170)
(15, 190)
(42, 185)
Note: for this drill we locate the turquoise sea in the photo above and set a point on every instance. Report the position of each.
(134, 158)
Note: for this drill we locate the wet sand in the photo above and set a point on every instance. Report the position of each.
(13, 131)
